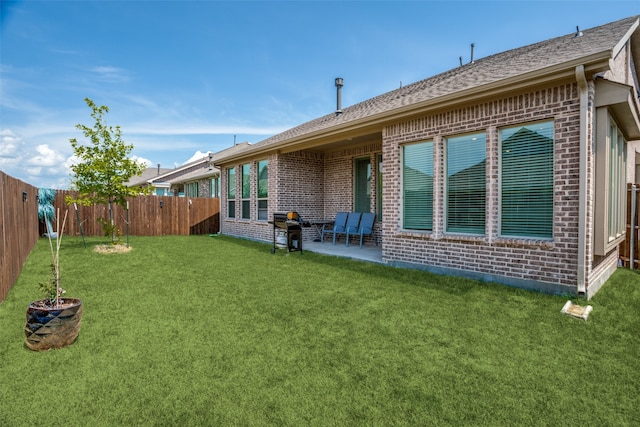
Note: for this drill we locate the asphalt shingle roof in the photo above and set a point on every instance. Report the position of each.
(484, 71)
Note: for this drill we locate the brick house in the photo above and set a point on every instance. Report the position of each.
(510, 168)
(198, 178)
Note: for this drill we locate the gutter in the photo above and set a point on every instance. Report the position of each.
(582, 191)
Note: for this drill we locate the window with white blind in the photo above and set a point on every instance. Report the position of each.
(214, 187)
(246, 191)
(617, 181)
(231, 192)
(263, 190)
(615, 124)
(527, 181)
(466, 184)
(417, 186)
(611, 188)
(192, 189)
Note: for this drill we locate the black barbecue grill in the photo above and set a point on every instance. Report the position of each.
(288, 226)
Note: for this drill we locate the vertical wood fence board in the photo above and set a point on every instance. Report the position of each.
(177, 216)
(18, 228)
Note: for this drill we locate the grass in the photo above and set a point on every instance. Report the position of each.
(197, 331)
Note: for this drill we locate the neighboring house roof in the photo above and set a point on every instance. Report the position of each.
(206, 172)
(145, 176)
(183, 173)
(179, 171)
(521, 67)
(237, 148)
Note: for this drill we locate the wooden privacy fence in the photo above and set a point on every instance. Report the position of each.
(18, 228)
(629, 250)
(147, 216)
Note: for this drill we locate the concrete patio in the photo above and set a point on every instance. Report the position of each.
(369, 252)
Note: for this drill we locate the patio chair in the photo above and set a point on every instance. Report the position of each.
(365, 228)
(338, 226)
(353, 220)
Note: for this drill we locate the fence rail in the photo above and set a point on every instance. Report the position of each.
(146, 216)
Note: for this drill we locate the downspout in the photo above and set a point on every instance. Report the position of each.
(582, 191)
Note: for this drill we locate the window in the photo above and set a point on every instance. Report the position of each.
(192, 189)
(231, 192)
(263, 190)
(617, 171)
(611, 189)
(214, 187)
(466, 184)
(527, 181)
(363, 185)
(246, 191)
(417, 186)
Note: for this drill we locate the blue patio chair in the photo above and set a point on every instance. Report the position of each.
(353, 220)
(365, 228)
(338, 226)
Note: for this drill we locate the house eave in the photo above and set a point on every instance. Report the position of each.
(620, 99)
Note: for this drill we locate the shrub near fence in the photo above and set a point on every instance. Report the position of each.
(18, 228)
(148, 216)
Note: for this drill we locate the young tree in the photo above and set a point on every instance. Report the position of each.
(103, 168)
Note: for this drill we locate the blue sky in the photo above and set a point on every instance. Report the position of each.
(182, 77)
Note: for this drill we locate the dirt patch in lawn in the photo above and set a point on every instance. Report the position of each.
(112, 249)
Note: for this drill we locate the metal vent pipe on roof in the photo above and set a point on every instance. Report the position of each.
(339, 84)
(472, 46)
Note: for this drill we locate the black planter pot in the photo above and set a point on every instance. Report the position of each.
(48, 327)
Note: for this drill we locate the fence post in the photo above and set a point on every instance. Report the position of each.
(127, 221)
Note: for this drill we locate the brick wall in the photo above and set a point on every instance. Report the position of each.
(490, 256)
(318, 185)
(295, 184)
(339, 179)
(300, 184)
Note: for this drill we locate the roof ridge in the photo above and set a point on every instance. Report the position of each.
(481, 60)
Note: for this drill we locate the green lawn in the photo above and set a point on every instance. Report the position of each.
(190, 331)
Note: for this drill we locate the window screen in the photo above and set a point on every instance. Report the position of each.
(527, 181)
(466, 184)
(417, 186)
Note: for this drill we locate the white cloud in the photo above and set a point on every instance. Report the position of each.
(10, 144)
(111, 74)
(198, 155)
(36, 171)
(46, 157)
(142, 160)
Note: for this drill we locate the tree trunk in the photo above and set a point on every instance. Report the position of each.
(112, 222)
